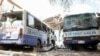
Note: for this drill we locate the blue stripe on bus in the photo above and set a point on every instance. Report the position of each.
(1, 35)
(26, 40)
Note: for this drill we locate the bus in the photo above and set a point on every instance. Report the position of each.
(81, 30)
(22, 28)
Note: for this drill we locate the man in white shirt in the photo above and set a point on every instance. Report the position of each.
(53, 39)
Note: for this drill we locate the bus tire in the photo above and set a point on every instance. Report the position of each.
(69, 47)
(38, 45)
(1, 47)
(94, 47)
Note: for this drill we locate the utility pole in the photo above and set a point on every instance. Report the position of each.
(13, 3)
(1, 1)
(1, 10)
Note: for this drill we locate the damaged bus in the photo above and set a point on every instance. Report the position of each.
(22, 28)
(81, 30)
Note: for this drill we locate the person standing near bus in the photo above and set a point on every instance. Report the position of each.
(48, 38)
(53, 39)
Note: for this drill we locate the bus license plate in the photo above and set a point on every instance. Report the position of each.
(81, 42)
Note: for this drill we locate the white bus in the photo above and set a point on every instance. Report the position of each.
(81, 30)
(22, 28)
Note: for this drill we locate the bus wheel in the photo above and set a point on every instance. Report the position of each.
(38, 45)
(1, 47)
(94, 47)
(69, 47)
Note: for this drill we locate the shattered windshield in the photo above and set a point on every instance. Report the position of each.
(80, 21)
(11, 16)
(4, 19)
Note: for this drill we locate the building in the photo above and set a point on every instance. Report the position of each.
(8, 5)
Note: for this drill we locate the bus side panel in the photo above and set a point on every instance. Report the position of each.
(29, 40)
(1, 35)
(25, 40)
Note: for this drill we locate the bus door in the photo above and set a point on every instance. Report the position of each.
(44, 34)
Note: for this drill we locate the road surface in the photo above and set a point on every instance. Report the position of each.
(54, 52)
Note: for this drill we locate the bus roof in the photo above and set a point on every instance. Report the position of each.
(85, 14)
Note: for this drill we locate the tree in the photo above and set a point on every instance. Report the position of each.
(64, 3)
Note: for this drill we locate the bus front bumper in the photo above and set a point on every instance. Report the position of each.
(71, 42)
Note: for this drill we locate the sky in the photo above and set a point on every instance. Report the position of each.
(87, 6)
(40, 8)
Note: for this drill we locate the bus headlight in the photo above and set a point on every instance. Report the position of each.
(65, 38)
(93, 38)
(69, 38)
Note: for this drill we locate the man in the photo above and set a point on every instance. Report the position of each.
(48, 38)
(53, 39)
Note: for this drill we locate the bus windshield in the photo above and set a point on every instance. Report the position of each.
(80, 21)
(11, 16)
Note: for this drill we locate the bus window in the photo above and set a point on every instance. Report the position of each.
(13, 16)
(30, 21)
(98, 19)
(43, 27)
(37, 24)
(3, 19)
